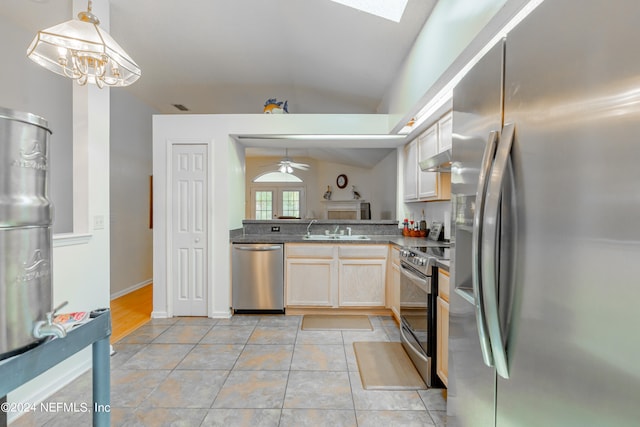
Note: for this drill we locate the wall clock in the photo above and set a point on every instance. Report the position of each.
(342, 181)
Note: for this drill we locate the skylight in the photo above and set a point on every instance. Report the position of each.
(387, 9)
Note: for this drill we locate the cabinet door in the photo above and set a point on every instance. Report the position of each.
(442, 359)
(361, 282)
(394, 293)
(310, 282)
(411, 170)
(428, 147)
(393, 282)
(443, 284)
(446, 132)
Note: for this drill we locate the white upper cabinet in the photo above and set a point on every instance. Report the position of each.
(427, 186)
(411, 171)
(427, 147)
(445, 127)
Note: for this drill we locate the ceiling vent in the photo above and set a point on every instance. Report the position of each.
(180, 107)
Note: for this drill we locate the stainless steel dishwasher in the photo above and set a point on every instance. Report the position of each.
(257, 278)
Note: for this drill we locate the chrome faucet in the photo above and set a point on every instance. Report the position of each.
(336, 230)
(308, 226)
(47, 328)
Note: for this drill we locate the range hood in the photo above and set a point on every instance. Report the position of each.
(441, 162)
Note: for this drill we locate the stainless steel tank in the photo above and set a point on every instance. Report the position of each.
(26, 216)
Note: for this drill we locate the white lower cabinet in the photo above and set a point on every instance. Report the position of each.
(310, 282)
(393, 282)
(361, 282)
(321, 275)
(442, 359)
(310, 275)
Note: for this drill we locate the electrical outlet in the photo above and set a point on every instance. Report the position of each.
(98, 222)
(275, 228)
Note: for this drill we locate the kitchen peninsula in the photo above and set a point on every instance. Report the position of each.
(335, 265)
(295, 230)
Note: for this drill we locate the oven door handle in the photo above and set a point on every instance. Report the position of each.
(478, 231)
(415, 278)
(407, 341)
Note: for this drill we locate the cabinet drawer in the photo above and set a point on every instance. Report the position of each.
(443, 284)
(309, 250)
(363, 251)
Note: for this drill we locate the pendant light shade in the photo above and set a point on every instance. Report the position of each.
(81, 50)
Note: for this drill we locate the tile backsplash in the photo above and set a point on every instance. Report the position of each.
(433, 211)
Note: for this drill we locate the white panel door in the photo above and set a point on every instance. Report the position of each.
(189, 229)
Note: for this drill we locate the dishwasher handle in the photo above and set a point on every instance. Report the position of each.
(258, 248)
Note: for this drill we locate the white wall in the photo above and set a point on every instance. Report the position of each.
(454, 33)
(27, 87)
(368, 182)
(449, 29)
(361, 178)
(130, 170)
(227, 190)
(385, 175)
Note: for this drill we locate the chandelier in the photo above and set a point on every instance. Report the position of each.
(81, 50)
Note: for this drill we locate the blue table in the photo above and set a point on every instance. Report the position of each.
(20, 369)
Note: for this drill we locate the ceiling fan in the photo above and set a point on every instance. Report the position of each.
(286, 165)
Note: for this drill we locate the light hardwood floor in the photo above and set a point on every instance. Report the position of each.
(130, 311)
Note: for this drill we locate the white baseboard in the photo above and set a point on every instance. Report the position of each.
(220, 314)
(214, 315)
(131, 289)
(159, 315)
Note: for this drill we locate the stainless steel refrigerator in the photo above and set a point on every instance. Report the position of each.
(544, 316)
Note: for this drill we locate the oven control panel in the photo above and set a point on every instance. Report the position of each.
(413, 257)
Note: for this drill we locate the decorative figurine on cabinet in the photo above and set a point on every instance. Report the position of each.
(273, 106)
(356, 195)
(327, 194)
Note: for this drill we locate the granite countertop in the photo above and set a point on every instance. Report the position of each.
(444, 264)
(395, 239)
(386, 239)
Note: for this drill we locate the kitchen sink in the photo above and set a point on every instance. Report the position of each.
(335, 237)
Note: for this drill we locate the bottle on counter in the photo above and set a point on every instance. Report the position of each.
(405, 230)
(423, 225)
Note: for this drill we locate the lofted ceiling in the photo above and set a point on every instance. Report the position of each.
(230, 56)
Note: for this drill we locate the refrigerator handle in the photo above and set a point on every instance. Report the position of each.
(489, 249)
(476, 276)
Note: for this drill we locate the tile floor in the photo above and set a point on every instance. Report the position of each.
(245, 371)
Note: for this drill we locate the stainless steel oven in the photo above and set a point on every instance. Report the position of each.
(418, 293)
